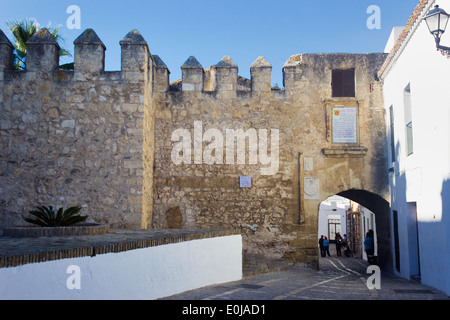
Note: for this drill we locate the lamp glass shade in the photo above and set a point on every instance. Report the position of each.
(437, 20)
(443, 21)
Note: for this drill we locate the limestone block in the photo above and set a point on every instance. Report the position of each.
(161, 83)
(89, 54)
(260, 71)
(135, 56)
(68, 124)
(6, 53)
(226, 71)
(192, 75)
(42, 52)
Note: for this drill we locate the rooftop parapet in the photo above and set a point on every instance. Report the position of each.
(42, 52)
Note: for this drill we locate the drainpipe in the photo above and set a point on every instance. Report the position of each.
(300, 193)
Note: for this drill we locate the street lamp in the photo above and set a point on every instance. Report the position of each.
(437, 20)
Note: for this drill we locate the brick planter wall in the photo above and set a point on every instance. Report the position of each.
(78, 230)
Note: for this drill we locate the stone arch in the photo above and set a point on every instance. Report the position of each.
(381, 208)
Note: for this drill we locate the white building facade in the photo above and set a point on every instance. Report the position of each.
(332, 216)
(416, 84)
(341, 215)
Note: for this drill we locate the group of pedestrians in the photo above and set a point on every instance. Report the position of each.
(324, 244)
(342, 243)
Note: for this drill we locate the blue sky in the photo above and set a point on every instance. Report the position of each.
(211, 29)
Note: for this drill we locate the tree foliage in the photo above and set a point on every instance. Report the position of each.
(22, 31)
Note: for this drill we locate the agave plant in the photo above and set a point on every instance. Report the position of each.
(48, 217)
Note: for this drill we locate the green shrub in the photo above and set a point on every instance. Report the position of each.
(48, 217)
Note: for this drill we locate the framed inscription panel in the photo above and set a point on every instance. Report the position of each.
(344, 125)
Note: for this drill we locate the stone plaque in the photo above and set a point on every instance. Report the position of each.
(311, 188)
(308, 164)
(344, 124)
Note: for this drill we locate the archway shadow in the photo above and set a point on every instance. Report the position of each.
(381, 208)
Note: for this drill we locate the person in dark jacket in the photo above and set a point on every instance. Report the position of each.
(338, 244)
(369, 244)
(321, 246)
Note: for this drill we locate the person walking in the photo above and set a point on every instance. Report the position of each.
(338, 244)
(321, 246)
(346, 246)
(369, 245)
(326, 245)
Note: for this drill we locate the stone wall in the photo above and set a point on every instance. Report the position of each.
(82, 137)
(137, 151)
(200, 188)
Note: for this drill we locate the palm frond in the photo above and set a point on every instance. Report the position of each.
(22, 31)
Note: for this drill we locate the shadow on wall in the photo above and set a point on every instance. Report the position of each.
(420, 238)
(445, 196)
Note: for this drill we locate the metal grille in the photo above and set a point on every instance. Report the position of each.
(419, 291)
(250, 286)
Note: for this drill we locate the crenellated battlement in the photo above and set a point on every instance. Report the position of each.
(77, 136)
(89, 59)
(222, 77)
(299, 70)
(138, 64)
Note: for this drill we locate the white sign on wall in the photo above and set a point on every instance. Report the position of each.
(245, 182)
(344, 124)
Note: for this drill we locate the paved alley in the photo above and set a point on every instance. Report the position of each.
(339, 278)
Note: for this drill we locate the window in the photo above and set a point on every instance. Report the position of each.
(343, 83)
(391, 133)
(408, 120)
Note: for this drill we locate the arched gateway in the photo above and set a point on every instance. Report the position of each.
(233, 152)
(381, 208)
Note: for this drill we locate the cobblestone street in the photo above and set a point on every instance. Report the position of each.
(339, 278)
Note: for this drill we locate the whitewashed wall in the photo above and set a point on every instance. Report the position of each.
(333, 207)
(149, 273)
(424, 176)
